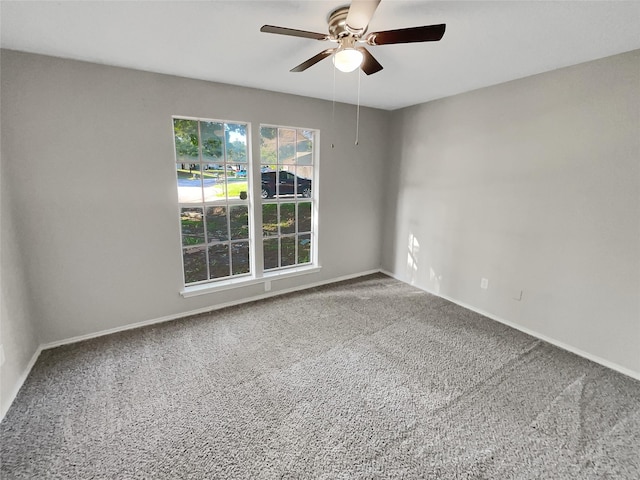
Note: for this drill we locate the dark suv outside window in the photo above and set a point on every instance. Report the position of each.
(286, 184)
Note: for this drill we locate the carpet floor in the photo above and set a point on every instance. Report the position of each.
(364, 379)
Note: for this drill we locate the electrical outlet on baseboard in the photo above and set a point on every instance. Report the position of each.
(484, 283)
(1, 355)
(267, 286)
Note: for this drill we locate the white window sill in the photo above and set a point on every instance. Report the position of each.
(206, 288)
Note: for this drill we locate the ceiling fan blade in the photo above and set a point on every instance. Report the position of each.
(369, 64)
(360, 14)
(427, 33)
(293, 32)
(313, 60)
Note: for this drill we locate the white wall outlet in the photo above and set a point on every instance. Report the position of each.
(267, 286)
(484, 283)
(1, 355)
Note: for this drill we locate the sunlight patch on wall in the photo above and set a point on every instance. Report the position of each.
(435, 280)
(412, 258)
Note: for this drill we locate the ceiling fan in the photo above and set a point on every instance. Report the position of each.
(347, 28)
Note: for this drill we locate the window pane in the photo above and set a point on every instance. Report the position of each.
(213, 183)
(189, 184)
(304, 140)
(236, 185)
(287, 218)
(286, 135)
(289, 181)
(186, 139)
(304, 248)
(268, 142)
(304, 217)
(288, 254)
(286, 146)
(239, 221)
(212, 135)
(305, 181)
(195, 264)
(269, 184)
(192, 226)
(217, 224)
(287, 153)
(219, 260)
(236, 143)
(304, 147)
(240, 259)
(285, 181)
(270, 248)
(269, 219)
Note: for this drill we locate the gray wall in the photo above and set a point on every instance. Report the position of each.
(17, 330)
(535, 185)
(89, 149)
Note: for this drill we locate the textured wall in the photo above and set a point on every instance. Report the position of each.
(18, 334)
(535, 185)
(90, 152)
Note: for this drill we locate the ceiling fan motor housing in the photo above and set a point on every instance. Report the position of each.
(338, 25)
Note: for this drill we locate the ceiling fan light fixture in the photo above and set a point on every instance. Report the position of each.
(347, 27)
(347, 59)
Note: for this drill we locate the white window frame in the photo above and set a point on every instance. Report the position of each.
(296, 200)
(226, 203)
(257, 274)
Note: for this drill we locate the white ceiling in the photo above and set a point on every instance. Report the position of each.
(485, 42)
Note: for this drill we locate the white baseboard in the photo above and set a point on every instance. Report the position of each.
(167, 318)
(7, 402)
(570, 348)
(198, 311)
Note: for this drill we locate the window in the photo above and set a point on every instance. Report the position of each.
(215, 178)
(213, 196)
(287, 170)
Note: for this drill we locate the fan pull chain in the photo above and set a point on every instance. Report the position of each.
(358, 109)
(333, 110)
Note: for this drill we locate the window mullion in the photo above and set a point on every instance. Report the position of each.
(256, 239)
(204, 207)
(295, 225)
(279, 220)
